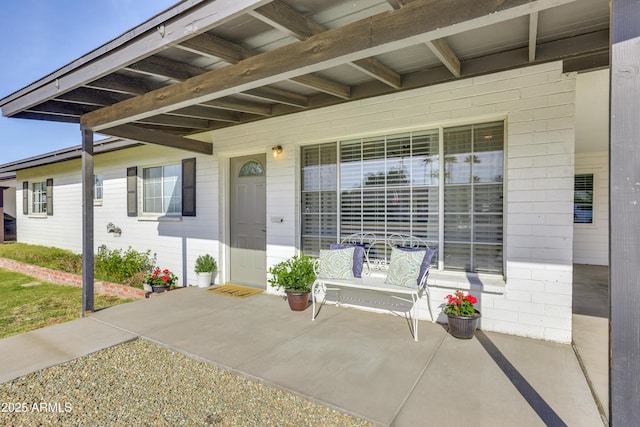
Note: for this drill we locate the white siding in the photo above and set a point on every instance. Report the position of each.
(591, 241)
(196, 235)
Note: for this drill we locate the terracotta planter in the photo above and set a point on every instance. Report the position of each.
(463, 326)
(298, 301)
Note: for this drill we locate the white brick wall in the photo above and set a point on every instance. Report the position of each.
(538, 105)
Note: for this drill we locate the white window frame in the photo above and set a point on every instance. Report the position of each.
(164, 210)
(38, 208)
(441, 190)
(98, 190)
(594, 177)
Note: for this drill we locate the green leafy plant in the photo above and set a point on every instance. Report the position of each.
(460, 304)
(295, 274)
(123, 267)
(205, 264)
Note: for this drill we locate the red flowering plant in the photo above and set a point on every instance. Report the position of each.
(157, 277)
(460, 304)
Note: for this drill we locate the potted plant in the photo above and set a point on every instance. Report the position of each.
(462, 315)
(160, 280)
(205, 267)
(295, 275)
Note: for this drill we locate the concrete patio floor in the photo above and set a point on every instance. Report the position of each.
(361, 363)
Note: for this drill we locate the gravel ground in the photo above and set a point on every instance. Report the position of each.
(140, 383)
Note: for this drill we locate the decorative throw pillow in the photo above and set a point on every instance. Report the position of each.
(404, 267)
(336, 263)
(358, 256)
(426, 262)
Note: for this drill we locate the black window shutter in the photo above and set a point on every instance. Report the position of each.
(132, 191)
(189, 187)
(25, 197)
(49, 196)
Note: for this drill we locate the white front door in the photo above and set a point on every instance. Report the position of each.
(248, 226)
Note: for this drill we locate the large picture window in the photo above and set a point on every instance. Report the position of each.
(162, 189)
(443, 185)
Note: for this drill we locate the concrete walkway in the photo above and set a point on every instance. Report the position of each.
(361, 363)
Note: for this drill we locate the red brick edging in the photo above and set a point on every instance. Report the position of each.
(62, 278)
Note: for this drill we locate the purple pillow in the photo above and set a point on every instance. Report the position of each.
(426, 261)
(358, 256)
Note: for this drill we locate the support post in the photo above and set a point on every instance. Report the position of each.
(2, 214)
(624, 215)
(87, 221)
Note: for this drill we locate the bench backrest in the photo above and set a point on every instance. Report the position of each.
(377, 248)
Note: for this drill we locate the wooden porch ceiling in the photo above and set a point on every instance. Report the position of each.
(204, 65)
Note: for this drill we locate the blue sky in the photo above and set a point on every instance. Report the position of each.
(40, 36)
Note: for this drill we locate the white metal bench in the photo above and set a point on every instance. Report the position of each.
(377, 248)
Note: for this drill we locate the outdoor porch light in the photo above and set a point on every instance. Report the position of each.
(277, 150)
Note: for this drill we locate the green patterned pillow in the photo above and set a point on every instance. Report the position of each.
(336, 264)
(404, 268)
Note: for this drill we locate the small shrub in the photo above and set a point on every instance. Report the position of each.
(136, 280)
(205, 264)
(122, 267)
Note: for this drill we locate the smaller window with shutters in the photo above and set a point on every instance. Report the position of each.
(166, 190)
(583, 199)
(39, 197)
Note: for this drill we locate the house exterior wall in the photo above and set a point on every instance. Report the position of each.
(591, 241)
(537, 104)
(176, 243)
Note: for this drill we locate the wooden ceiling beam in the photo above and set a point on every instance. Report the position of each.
(179, 24)
(378, 71)
(32, 115)
(397, 4)
(177, 121)
(570, 51)
(533, 35)
(209, 45)
(121, 83)
(446, 55)
(212, 46)
(242, 106)
(150, 136)
(64, 108)
(331, 87)
(278, 95)
(208, 113)
(91, 96)
(413, 24)
(283, 17)
(173, 130)
(163, 67)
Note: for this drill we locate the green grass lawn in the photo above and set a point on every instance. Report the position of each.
(43, 256)
(27, 304)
